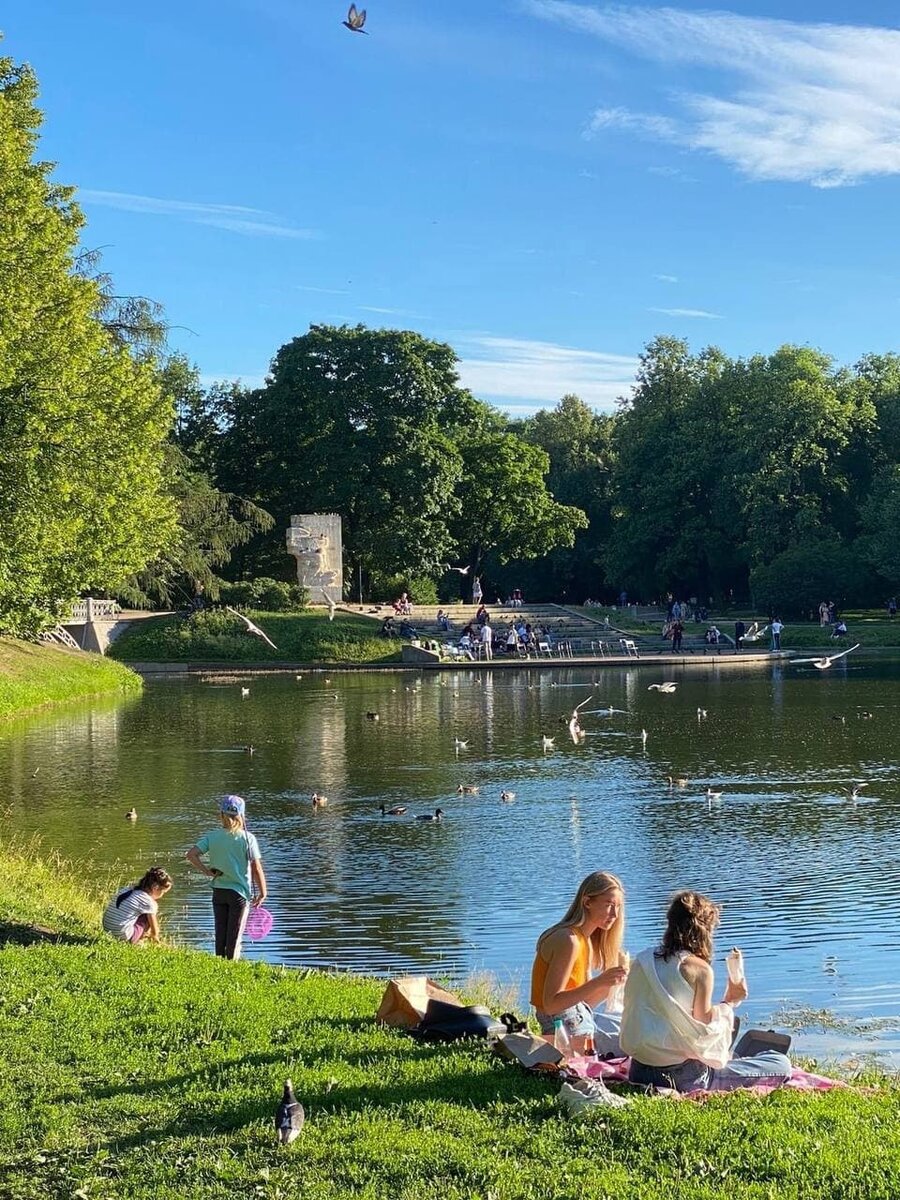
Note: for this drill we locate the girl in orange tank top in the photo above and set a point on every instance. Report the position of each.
(587, 939)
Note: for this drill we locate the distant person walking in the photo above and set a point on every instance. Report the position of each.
(487, 638)
(235, 866)
(777, 628)
(739, 630)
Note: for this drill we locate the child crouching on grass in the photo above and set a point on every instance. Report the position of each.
(131, 914)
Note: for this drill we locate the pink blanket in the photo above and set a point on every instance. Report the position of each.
(615, 1070)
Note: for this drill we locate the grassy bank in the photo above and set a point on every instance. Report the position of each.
(150, 1074)
(220, 637)
(34, 675)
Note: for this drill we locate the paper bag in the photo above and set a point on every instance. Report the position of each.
(405, 1000)
(532, 1052)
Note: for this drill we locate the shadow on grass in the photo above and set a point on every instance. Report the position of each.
(16, 933)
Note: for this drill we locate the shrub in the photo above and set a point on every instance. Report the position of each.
(266, 595)
(421, 589)
(797, 580)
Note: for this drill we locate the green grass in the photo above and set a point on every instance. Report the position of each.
(34, 675)
(219, 637)
(152, 1073)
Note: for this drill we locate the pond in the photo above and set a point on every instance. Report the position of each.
(810, 880)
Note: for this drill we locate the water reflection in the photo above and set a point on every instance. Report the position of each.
(808, 878)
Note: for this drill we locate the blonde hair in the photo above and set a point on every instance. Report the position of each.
(606, 944)
(232, 822)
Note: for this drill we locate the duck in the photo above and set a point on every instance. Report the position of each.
(468, 789)
(131, 815)
(507, 797)
(318, 801)
(397, 811)
(436, 817)
(372, 716)
(678, 781)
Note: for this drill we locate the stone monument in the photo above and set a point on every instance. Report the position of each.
(314, 539)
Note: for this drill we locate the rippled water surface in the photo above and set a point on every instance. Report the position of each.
(810, 881)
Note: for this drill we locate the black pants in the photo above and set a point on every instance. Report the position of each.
(230, 911)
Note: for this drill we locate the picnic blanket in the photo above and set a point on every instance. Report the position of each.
(615, 1070)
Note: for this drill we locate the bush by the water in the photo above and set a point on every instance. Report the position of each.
(219, 636)
(265, 595)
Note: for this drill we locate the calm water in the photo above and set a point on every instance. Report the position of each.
(809, 880)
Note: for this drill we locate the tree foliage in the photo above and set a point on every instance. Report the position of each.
(82, 421)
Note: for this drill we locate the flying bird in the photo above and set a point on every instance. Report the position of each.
(328, 600)
(289, 1116)
(459, 570)
(355, 20)
(713, 794)
(644, 737)
(854, 790)
(251, 628)
(668, 688)
(825, 662)
(460, 745)
(547, 743)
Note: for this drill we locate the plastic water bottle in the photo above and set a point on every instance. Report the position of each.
(561, 1038)
(734, 964)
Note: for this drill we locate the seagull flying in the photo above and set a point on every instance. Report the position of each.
(289, 1116)
(853, 793)
(328, 600)
(251, 628)
(823, 663)
(459, 570)
(547, 742)
(355, 20)
(668, 688)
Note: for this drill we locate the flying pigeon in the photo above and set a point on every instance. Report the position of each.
(355, 20)
(289, 1116)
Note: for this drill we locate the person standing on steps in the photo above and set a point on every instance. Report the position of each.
(487, 639)
(477, 593)
(234, 864)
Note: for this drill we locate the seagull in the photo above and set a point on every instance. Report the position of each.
(460, 745)
(822, 664)
(668, 688)
(644, 736)
(437, 817)
(318, 801)
(459, 570)
(701, 714)
(131, 815)
(713, 794)
(289, 1116)
(507, 797)
(397, 811)
(251, 628)
(245, 692)
(332, 607)
(547, 743)
(355, 20)
(853, 791)
(249, 749)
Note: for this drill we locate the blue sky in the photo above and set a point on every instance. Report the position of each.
(545, 185)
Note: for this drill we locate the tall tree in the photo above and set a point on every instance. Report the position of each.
(82, 422)
(356, 421)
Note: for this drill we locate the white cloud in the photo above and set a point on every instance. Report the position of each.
(688, 312)
(811, 103)
(390, 312)
(302, 287)
(235, 218)
(506, 369)
(666, 278)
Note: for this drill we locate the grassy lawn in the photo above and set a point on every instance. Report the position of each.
(220, 637)
(151, 1074)
(34, 675)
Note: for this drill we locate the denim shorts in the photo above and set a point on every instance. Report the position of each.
(578, 1020)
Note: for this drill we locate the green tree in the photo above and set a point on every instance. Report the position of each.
(358, 422)
(82, 423)
(878, 544)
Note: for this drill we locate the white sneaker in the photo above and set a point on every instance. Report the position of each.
(578, 1095)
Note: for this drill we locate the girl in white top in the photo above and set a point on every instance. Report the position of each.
(676, 1036)
(131, 913)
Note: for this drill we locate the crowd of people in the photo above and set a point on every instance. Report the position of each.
(676, 1035)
